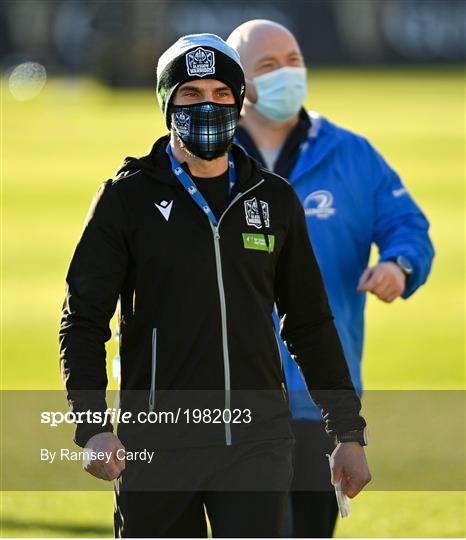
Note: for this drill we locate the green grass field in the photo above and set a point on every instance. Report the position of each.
(59, 146)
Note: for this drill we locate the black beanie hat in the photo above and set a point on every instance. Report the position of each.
(193, 57)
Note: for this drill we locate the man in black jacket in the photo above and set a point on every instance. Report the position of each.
(198, 243)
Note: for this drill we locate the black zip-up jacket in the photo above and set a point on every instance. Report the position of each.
(196, 304)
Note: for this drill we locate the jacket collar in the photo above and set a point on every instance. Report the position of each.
(156, 164)
(321, 138)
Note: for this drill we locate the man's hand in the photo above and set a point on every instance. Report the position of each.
(109, 444)
(386, 280)
(350, 466)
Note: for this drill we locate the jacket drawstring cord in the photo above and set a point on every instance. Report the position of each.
(261, 215)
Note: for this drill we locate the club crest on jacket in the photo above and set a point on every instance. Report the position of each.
(252, 213)
(319, 204)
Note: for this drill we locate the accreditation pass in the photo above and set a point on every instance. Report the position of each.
(342, 499)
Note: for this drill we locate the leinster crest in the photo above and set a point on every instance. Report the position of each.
(200, 62)
(183, 122)
(252, 213)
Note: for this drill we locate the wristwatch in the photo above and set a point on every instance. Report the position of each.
(357, 435)
(404, 265)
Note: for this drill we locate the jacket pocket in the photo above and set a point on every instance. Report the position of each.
(153, 370)
(283, 385)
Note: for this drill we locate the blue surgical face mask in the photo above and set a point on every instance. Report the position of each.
(281, 93)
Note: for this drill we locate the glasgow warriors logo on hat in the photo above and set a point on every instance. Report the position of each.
(200, 62)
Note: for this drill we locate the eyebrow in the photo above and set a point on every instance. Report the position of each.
(190, 88)
(268, 58)
(196, 89)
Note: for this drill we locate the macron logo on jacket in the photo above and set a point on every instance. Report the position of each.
(165, 208)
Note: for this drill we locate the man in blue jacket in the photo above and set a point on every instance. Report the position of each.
(352, 199)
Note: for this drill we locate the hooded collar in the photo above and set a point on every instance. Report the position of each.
(321, 139)
(156, 164)
(310, 141)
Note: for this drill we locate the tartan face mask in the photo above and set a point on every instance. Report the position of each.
(206, 129)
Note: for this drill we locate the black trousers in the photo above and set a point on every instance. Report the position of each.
(243, 489)
(313, 509)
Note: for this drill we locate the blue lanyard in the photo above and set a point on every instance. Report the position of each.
(191, 188)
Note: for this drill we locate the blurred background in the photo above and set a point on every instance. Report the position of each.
(77, 96)
(117, 41)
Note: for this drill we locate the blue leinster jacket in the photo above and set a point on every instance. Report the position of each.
(352, 199)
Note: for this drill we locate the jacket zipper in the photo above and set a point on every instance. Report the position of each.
(223, 308)
(153, 371)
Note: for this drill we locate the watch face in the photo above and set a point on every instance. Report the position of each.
(404, 264)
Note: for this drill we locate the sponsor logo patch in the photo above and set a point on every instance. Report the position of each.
(253, 217)
(257, 241)
(399, 192)
(200, 62)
